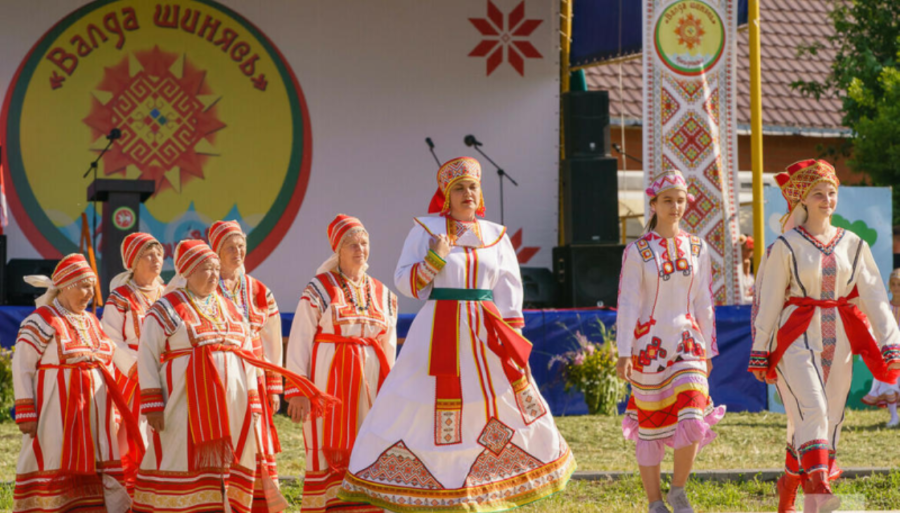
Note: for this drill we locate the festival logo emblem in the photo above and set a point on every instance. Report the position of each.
(124, 218)
(208, 110)
(690, 37)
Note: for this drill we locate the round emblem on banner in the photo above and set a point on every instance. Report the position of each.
(690, 37)
(208, 109)
(123, 218)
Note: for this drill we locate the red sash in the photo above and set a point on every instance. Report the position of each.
(207, 410)
(345, 379)
(77, 440)
(861, 340)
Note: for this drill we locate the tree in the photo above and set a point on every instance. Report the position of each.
(866, 42)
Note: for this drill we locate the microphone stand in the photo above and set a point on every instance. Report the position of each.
(113, 135)
(501, 174)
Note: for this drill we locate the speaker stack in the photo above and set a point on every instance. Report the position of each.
(587, 266)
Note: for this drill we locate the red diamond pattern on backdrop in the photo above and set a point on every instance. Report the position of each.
(696, 215)
(669, 107)
(713, 173)
(711, 105)
(166, 112)
(509, 32)
(690, 139)
(716, 236)
(690, 91)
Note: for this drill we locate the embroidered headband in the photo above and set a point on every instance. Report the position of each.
(667, 181)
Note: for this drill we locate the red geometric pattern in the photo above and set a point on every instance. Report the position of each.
(716, 237)
(651, 352)
(510, 35)
(669, 106)
(668, 416)
(713, 173)
(697, 214)
(711, 106)
(691, 91)
(162, 105)
(689, 346)
(495, 435)
(398, 466)
(690, 139)
(491, 468)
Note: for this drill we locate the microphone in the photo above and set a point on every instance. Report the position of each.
(114, 134)
(470, 140)
(429, 143)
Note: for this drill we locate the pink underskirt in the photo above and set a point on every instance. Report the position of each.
(687, 432)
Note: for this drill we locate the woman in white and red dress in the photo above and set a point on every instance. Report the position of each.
(200, 395)
(344, 337)
(459, 424)
(666, 338)
(66, 402)
(257, 305)
(133, 292)
(819, 300)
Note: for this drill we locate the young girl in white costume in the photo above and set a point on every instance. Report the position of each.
(885, 395)
(666, 337)
(817, 290)
(459, 424)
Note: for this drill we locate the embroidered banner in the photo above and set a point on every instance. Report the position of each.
(690, 123)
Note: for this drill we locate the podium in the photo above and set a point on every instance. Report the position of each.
(121, 217)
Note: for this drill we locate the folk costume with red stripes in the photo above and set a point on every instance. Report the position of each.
(257, 305)
(344, 337)
(63, 379)
(666, 325)
(124, 313)
(459, 424)
(196, 365)
(815, 301)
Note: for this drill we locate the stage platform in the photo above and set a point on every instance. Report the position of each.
(553, 332)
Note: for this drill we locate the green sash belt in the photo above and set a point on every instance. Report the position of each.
(438, 294)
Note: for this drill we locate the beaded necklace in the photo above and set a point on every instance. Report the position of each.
(240, 296)
(210, 310)
(351, 295)
(145, 295)
(81, 323)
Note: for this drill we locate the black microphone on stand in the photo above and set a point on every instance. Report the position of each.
(430, 144)
(114, 134)
(472, 142)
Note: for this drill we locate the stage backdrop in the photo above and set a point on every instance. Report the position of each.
(279, 114)
(865, 211)
(689, 120)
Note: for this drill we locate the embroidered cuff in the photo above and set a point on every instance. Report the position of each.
(890, 353)
(152, 401)
(25, 411)
(759, 360)
(274, 383)
(255, 405)
(514, 322)
(435, 261)
(292, 392)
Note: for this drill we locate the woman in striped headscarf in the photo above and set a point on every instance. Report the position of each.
(64, 363)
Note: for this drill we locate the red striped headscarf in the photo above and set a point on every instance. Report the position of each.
(190, 254)
(342, 226)
(69, 271)
(220, 231)
(132, 247)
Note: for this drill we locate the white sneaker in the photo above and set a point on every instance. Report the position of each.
(658, 507)
(679, 501)
(893, 423)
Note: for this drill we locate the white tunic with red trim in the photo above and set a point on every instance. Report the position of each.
(48, 350)
(166, 481)
(325, 309)
(498, 447)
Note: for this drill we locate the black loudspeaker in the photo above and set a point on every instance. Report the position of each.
(17, 291)
(588, 275)
(2, 269)
(591, 201)
(539, 286)
(586, 123)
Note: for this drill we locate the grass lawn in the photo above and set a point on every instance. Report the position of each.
(746, 441)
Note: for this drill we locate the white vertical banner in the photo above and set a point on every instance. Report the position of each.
(690, 122)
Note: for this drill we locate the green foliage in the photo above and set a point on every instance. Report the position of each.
(7, 397)
(865, 75)
(590, 368)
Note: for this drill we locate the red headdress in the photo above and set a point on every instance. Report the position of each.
(462, 168)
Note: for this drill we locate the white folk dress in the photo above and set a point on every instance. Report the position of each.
(838, 286)
(666, 324)
(170, 480)
(123, 316)
(882, 394)
(257, 305)
(457, 427)
(74, 462)
(344, 338)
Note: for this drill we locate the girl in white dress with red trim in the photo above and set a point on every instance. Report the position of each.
(886, 395)
(459, 424)
(666, 335)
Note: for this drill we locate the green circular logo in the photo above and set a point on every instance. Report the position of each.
(690, 37)
(124, 218)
